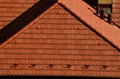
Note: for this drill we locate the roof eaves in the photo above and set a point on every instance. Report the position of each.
(81, 10)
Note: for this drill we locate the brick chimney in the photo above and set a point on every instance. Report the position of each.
(105, 10)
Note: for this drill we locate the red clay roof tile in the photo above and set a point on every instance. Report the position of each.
(81, 9)
(11, 9)
(70, 41)
(57, 43)
(24, 19)
(116, 12)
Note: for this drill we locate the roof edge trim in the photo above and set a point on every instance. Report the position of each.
(107, 31)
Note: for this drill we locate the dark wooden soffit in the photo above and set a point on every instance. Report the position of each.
(28, 16)
(54, 77)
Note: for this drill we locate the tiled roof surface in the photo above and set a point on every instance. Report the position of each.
(85, 12)
(11, 9)
(116, 12)
(57, 43)
(24, 19)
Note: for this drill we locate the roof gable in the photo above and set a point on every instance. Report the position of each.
(83, 11)
(11, 9)
(58, 42)
(104, 29)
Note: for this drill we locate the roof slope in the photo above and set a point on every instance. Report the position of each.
(11, 9)
(116, 12)
(84, 11)
(24, 19)
(58, 43)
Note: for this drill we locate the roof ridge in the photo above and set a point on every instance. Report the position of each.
(106, 30)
